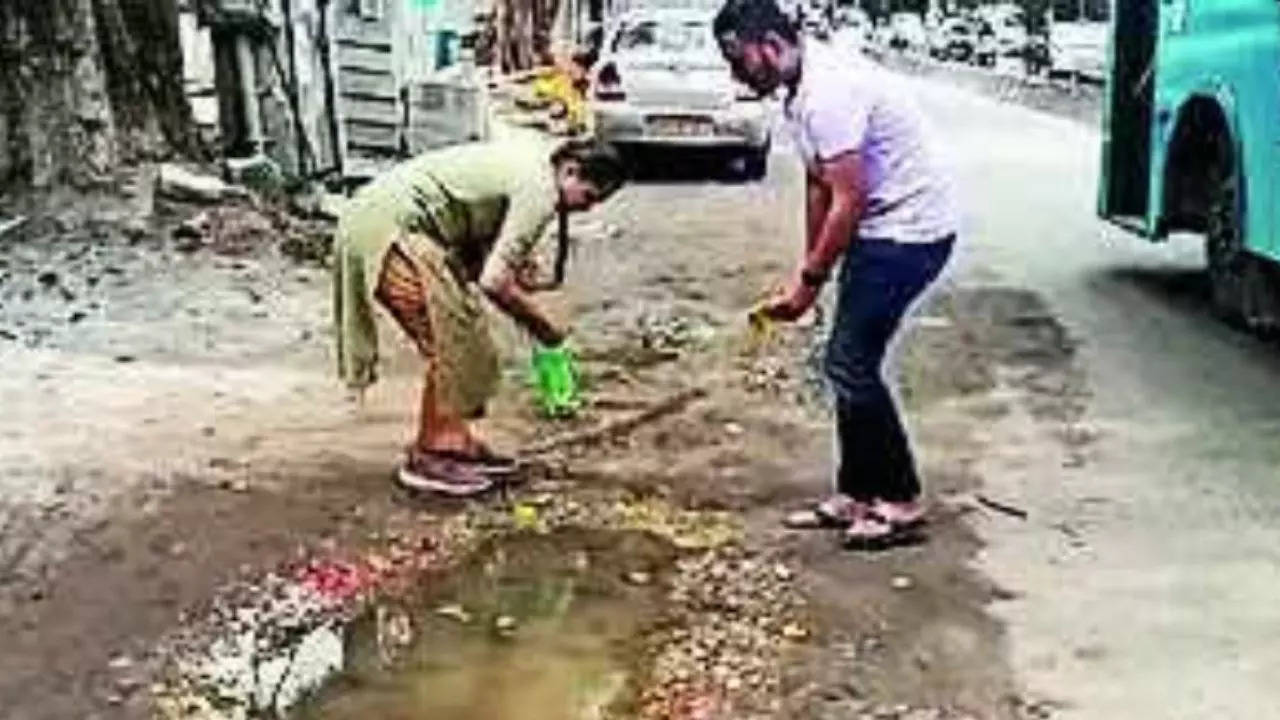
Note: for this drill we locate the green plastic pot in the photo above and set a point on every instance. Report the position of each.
(555, 381)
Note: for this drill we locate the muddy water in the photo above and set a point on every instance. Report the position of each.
(539, 627)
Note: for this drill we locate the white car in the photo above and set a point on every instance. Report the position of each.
(661, 80)
(1078, 48)
(853, 30)
(953, 39)
(908, 33)
(1011, 35)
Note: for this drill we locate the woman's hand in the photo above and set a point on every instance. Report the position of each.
(530, 278)
(500, 283)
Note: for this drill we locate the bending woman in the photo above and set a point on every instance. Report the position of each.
(422, 241)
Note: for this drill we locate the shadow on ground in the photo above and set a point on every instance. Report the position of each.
(685, 165)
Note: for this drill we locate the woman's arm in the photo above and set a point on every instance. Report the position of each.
(527, 217)
(500, 283)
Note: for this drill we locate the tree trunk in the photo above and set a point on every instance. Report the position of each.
(523, 32)
(89, 85)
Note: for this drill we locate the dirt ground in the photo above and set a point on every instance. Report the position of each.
(172, 426)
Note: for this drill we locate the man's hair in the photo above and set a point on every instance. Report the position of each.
(752, 20)
(598, 163)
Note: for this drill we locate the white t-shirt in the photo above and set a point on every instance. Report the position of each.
(845, 103)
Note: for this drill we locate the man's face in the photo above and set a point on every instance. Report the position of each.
(753, 63)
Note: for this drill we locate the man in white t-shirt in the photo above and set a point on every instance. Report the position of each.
(879, 202)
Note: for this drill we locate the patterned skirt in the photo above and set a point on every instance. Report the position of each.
(445, 317)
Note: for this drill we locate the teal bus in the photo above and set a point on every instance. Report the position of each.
(1191, 138)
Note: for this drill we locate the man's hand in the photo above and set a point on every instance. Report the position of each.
(792, 303)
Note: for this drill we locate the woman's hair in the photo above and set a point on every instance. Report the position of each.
(598, 163)
(752, 20)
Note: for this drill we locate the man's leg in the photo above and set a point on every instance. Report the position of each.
(913, 268)
(871, 442)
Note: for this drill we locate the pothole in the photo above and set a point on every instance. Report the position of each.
(561, 606)
(541, 628)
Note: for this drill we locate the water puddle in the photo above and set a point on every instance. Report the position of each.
(534, 627)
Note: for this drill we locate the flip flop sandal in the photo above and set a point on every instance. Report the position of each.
(822, 516)
(899, 521)
(868, 533)
(443, 476)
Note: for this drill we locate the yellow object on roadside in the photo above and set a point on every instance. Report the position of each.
(526, 517)
(555, 85)
(762, 328)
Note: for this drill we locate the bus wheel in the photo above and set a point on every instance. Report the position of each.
(1245, 288)
(1224, 244)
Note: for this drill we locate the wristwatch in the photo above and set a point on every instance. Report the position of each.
(813, 278)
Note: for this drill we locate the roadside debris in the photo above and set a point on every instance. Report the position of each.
(178, 183)
(227, 230)
(1001, 507)
(732, 618)
(11, 227)
(617, 426)
(242, 229)
(457, 613)
(505, 626)
(639, 577)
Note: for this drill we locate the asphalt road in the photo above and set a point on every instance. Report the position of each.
(1145, 580)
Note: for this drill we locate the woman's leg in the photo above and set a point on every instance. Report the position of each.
(401, 290)
(439, 428)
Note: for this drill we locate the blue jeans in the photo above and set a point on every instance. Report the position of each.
(879, 279)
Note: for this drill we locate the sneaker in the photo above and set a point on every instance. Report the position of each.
(431, 472)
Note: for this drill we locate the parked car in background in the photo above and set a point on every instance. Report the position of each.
(661, 81)
(1010, 33)
(853, 30)
(985, 47)
(816, 26)
(881, 34)
(1078, 49)
(1036, 56)
(907, 33)
(953, 39)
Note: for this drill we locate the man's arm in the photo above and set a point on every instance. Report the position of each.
(844, 181)
(842, 178)
(818, 201)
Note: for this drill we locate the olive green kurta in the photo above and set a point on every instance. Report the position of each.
(453, 212)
